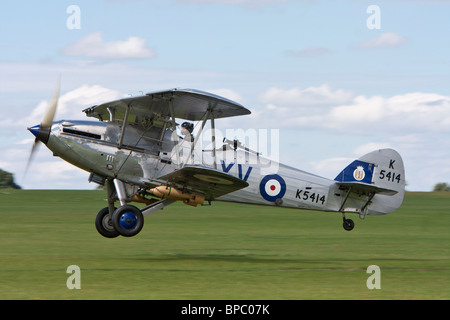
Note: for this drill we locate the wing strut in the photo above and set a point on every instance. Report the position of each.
(345, 199)
(124, 124)
(213, 139)
(363, 208)
(208, 114)
(174, 132)
(204, 119)
(362, 214)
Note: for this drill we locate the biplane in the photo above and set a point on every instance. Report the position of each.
(134, 150)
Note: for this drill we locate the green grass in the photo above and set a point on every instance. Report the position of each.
(226, 251)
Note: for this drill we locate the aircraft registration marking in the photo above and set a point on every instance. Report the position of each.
(308, 195)
(226, 168)
(390, 176)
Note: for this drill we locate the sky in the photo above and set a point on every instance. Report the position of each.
(337, 79)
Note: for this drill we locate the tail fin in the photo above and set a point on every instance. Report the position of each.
(375, 183)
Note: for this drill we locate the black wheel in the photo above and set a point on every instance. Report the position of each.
(348, 224)
(103, 223)
(128, 220)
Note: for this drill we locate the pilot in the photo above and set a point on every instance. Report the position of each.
(186, 131)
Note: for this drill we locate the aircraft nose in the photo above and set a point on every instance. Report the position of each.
(35, 130)
(40, 132)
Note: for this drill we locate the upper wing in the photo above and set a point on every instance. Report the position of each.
(187, 104)
(210, 182)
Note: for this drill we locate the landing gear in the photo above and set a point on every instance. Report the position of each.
(103, 223)
(128, 220)
(348, 224)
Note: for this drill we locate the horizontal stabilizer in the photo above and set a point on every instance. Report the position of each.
(359, 187)
(210, 182)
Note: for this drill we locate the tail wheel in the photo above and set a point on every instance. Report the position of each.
(348, 224)
(128, 220)
(103, 223)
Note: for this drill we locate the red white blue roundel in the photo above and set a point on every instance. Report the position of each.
(272, 187)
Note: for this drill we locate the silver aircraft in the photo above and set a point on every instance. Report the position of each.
(134, 150)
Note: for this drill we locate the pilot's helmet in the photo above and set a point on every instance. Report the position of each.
(188, 126)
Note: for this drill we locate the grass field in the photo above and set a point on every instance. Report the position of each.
(226, 251)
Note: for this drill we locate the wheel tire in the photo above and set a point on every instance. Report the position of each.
(103, 224)
(348, 224)
(128, 220)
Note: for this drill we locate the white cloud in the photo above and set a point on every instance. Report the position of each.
(384, 40)
(411, 112)
(312, 96)
(93, 46)
(71, 104)
(369, 147)
(341, 111)
(330, 167)
(62, 175)
(228, 93)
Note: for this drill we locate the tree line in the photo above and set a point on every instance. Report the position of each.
(7, 180)
(442, 186)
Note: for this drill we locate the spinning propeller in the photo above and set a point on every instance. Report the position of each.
(42, 131)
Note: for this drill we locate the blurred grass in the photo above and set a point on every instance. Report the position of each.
(225, 251)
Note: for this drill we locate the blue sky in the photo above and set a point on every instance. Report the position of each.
(311, 68)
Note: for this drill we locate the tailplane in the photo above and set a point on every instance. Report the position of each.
(374, 184)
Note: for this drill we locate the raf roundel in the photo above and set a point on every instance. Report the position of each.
(272, 187)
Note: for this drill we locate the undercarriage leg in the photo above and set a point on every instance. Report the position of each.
(158, 205)
(121, 193)
(110, 192)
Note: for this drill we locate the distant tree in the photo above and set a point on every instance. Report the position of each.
(7, 180)
(442, 186)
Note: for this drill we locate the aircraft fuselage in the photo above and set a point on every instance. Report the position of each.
(141, 158)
